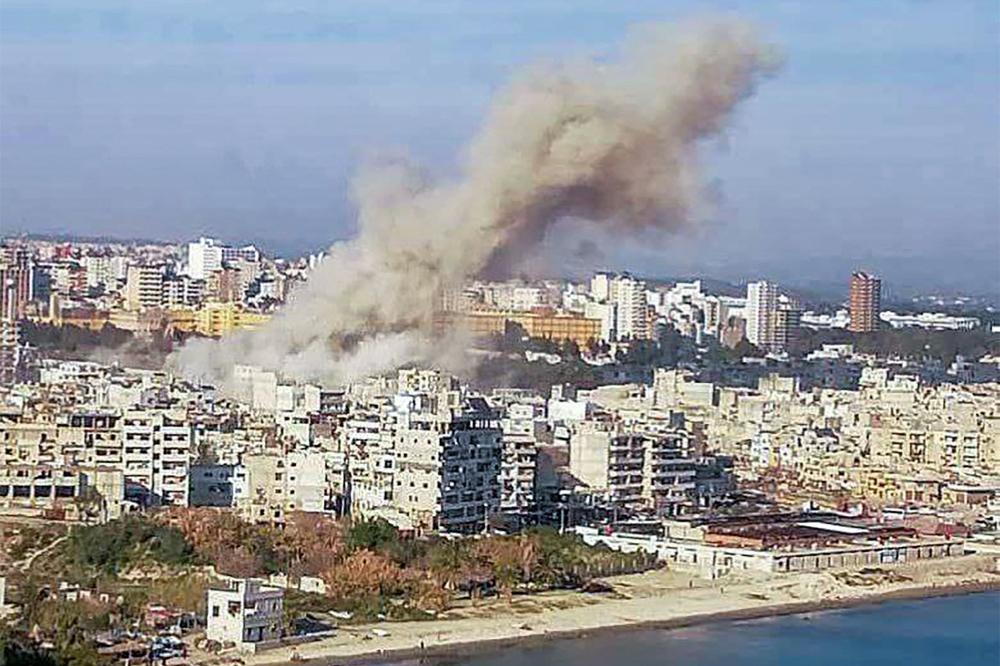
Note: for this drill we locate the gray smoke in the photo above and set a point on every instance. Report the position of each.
(614, 143)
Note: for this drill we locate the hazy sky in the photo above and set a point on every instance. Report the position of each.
(877, 147)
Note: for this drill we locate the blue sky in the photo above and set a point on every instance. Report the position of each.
(877, 147)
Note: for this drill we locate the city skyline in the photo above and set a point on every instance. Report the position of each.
(229, 125)
(443, 330)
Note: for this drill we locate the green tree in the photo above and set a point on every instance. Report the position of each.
(449, 561)
(377, 534)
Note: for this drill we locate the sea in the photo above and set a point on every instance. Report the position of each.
(944, 631)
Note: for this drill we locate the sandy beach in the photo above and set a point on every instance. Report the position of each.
(659, 598)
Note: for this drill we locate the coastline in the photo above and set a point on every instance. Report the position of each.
(712, 604)
(470, 649)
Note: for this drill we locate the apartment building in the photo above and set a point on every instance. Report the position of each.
(448, 462)
(761, 310)
(156, 452)
(522, 424)
(182, 291)
(151, 448)
(865, 302)
(144, 287)
(368, 437)
(275, 484)
(647, 464)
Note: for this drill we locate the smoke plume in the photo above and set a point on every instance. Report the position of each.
(611, 142)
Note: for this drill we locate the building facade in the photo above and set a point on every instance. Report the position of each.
(761, 314)
(245, 612)
(865, 302)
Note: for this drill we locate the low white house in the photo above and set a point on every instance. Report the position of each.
(245, 612)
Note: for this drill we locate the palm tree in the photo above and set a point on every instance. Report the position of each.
(449, 562)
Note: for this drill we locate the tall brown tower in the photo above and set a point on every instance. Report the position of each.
(866, 302)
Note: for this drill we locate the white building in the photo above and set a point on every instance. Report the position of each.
(98, 269)
(204, 258)
(563, 405)
(245, 612)
(605, 312)
(840, 319)
(156, 447)
(932, 321)
(183, 291)
(208, 255)
(629, 298)
(258, 388)
(527, 298)
(315, 480)
(600, 287)
(761, 313)
(275, 484)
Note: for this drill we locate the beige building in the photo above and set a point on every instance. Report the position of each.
(522, 424)
(144, 287)
(647, 465)
(62, 491)
(150, 448)
(271, 485)
(448, 466)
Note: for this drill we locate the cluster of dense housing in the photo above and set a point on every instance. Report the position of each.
(425, 452)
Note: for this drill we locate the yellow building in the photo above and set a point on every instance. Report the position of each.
(579, 329)
(88, 318)
(539, 324)
(182, 320)
(140, 323)
(216, 319)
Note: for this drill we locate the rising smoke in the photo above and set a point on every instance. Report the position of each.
(613, 143)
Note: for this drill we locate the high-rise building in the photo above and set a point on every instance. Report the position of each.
(761, 314)
(247, 253)
(787, 322)
(865, 302)
(208, 255)
(15, 291)
(155, 446)
(628, 295)
(144, 287)
(9, 350)
(16, 281)
(204, 258)
(103, 271)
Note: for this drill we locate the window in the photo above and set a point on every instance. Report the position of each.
(215, 611)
